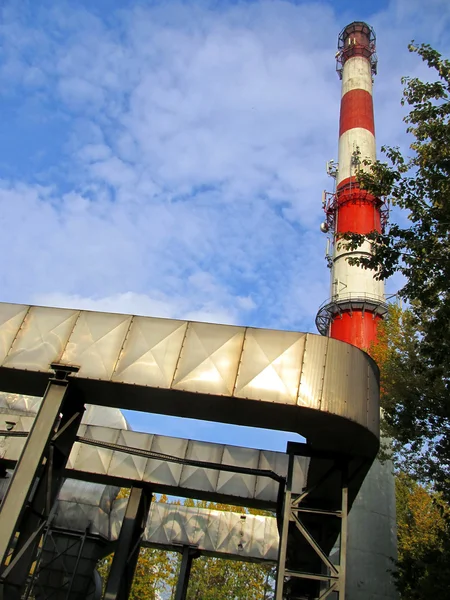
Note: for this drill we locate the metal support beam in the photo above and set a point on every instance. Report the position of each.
(36, 481)
(284, 533)
(187, 557)
(127, 549)
(332, 576)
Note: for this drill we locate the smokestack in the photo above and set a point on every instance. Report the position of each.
(357, 299)
(357, 303)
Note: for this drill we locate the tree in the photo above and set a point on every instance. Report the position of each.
(423, 526)
(155, 573)
(411, 400)
(423, 516)
(418, 406)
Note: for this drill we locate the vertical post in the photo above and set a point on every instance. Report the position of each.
(282, 550)
(185, 570)
(344, 534)
(126, 554)
(36, 480)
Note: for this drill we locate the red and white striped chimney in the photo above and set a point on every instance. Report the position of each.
(357, 299)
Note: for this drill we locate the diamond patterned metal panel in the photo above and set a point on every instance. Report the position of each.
(11, 317)
(159, 526)
(198, 478)
(270, 366)
(151, 352)
(266, 488)
(161, 471)
(128, 465)
(92, 459)
(313, 371)
(212, 531)
(301, 467)
(19, 402)
(197, 524)
(182, 526)
(42, 338)
(231, 532)
(258, 535)
(75, 450)
(95, 343)
(118, 464)
(235, 483)
(209, 359)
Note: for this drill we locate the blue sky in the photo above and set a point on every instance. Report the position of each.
(167, 158)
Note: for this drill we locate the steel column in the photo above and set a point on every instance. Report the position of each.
(36, 481)
(187, 557)
(344, 534)
(284, 533)
(126, 555)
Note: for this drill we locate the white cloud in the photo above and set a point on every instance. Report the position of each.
(196, 136)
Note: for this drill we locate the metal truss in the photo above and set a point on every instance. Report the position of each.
(296, 508)
(57, 566)
(27, 506)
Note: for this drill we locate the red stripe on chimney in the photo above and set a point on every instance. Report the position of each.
(356, 111)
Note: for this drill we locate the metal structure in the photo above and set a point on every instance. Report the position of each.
(321, 388)
(247, 486)
(357, 301)
(299, 524)
(87, 523)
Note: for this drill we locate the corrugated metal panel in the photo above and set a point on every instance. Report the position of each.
(345, 378)
(312, 371)
(373, 394)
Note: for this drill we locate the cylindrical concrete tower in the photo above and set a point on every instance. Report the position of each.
(357, 298)
(357, 303)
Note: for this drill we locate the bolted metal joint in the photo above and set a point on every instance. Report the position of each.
(62, 372)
